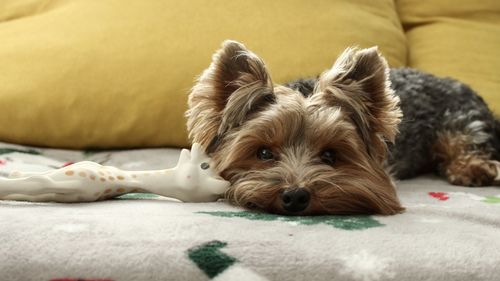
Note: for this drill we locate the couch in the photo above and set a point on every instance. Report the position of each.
(107, 81)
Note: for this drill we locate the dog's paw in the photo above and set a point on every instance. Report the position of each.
(474, 173)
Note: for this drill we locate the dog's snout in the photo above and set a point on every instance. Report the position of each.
(295, 200)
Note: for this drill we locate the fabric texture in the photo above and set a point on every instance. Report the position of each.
(456, 38)
(446, 233)
(113, 73)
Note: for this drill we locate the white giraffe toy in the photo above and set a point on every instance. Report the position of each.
(191, 180)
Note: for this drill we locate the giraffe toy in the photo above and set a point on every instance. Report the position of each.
(191, 180)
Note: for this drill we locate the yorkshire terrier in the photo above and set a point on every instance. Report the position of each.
(331, 145)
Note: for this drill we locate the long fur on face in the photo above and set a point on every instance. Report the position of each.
(235, 110)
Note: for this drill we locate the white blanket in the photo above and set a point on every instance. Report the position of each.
(447, 233)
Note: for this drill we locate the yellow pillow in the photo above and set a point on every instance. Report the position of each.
(456, 38)
(115, 73)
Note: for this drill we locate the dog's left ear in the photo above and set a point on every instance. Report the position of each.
(235, 85)
(359, 83)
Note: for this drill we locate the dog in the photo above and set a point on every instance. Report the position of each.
(334, 144)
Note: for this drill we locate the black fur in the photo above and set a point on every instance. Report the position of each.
(304, 86)
(431, 105)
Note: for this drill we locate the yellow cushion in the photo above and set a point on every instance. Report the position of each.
(456, 38)
(115, 73)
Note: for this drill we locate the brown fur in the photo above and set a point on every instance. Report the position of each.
(461, 164)
(235, 109)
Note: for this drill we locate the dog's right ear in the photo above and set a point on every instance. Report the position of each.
(235, 85)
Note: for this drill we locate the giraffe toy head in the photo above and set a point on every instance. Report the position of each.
(193, 172)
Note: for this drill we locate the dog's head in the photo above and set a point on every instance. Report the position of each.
(289, 153)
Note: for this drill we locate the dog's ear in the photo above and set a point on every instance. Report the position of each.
(235, 85)
(359, 83)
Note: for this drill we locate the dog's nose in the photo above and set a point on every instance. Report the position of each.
(295, 200)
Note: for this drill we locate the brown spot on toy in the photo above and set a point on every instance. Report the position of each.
(69, 173)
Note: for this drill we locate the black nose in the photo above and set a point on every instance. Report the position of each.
(295, 200)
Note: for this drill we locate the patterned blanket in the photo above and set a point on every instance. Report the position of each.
(447, 233)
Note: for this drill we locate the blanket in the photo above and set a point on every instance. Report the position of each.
(447, 233)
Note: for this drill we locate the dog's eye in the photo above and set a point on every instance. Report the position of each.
(328, 156)
(265, 154)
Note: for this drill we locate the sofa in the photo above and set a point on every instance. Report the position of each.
(107, 81)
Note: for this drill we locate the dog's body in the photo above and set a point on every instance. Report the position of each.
(437, 112)
(328, 145)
